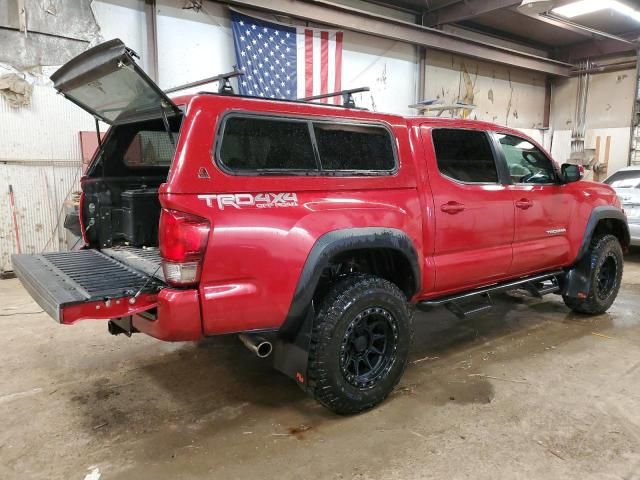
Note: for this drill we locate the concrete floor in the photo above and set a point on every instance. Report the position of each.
(528, 391)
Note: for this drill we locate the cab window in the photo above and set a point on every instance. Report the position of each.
(526, 162)
(465, 155)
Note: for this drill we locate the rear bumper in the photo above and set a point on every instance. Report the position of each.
(634, 232)
(178, 317)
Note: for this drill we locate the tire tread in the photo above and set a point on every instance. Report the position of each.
(340, 297)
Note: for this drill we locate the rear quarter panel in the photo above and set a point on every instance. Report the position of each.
(255, 255)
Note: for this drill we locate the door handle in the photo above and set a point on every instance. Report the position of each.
(524, 203)
(452, 208)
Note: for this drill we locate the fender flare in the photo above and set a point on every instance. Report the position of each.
(334, 243)
(601, 213)
(577, 282)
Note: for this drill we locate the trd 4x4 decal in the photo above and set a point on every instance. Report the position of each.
(261, 200)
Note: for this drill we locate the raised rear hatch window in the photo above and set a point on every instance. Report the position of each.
(108, 83)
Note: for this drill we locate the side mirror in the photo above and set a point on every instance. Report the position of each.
(572, 173)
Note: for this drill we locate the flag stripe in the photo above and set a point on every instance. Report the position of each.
(324, 63)
(301, 65)
(332, 65)
(316, 63)
(308, 54)
(337, 84)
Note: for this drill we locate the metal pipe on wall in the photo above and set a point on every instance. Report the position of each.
(546, 119)
(151, 15)
(610, 67)
(634, 138)
(579, 119)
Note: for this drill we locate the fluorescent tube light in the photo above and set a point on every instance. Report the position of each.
(584, 7)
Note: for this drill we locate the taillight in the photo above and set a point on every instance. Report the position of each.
(183, 240)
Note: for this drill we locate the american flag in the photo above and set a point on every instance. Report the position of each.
(282, 61)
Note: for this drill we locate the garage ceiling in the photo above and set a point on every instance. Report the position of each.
(546, 31)
(513, 25)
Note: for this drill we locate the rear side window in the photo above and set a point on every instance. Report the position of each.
(259, 144)
(273, 145)
(465, 155)
(354, 147)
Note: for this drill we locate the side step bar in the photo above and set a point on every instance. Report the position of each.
(478, 301)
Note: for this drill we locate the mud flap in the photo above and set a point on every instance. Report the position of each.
(85, 284)
(577, 280)
(291, 355)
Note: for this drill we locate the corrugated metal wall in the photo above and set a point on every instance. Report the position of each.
(40, 158)
(40, 191)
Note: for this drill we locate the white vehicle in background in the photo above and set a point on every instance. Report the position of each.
(626, 183)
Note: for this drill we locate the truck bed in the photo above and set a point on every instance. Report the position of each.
(145, 260)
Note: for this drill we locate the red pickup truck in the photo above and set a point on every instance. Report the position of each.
(312, 230)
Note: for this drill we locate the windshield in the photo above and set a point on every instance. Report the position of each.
(624, 179)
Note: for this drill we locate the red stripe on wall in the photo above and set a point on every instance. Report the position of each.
(324, 63)
(338, 79)
(308, 62)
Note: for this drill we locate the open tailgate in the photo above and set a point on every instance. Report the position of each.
(83, 284)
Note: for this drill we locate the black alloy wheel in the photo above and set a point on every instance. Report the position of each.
(369, 347)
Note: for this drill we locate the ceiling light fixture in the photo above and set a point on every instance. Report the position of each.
(535, 6)
(584, 7)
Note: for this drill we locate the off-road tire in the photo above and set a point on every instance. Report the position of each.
(605, 252)
(350, 307)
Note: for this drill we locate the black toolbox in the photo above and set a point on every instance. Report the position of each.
(140, 216)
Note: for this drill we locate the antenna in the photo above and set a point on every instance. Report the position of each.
(347, 96)
(224, 85)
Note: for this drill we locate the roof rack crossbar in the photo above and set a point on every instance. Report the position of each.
(224, 86)
(347, 96)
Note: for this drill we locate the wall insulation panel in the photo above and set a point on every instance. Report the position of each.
(504, 95)
(47, 129)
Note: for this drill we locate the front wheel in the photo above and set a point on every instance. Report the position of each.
(606, 262)
(360, 344)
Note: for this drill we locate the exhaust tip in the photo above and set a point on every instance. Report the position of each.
(258, 345)
(264, 349)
